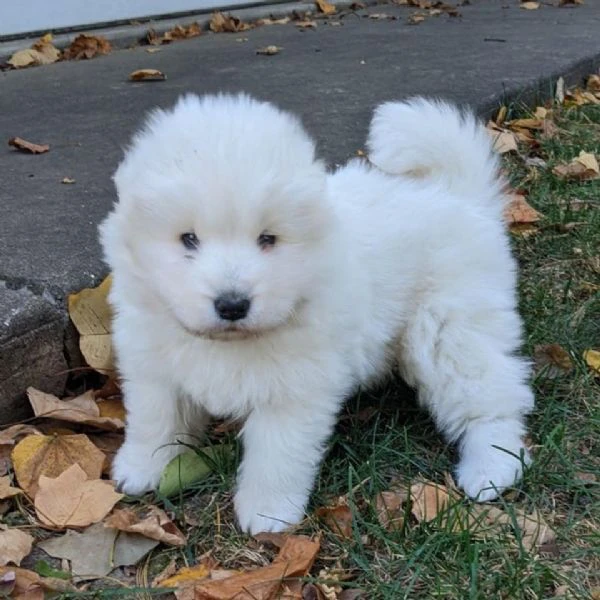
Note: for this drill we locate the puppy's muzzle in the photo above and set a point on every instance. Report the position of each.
(232, 306)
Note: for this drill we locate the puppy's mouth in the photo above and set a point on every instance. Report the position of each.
(226, 333)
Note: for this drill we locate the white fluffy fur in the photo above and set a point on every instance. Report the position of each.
(406, 262)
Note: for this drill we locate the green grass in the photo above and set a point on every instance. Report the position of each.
(383, 437)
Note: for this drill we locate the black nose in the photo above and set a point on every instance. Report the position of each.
(232, 306)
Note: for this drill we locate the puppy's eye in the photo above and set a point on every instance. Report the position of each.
(189, 240)
(266, 240)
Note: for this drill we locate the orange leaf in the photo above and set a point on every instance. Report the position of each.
(325, 7)
(518, 210)
(337, 518)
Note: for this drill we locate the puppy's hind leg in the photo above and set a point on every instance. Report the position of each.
(469, 378)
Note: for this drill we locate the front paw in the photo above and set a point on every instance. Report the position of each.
(258, 511)
(136, 470)
(485, 474)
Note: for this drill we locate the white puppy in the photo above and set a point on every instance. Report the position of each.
(249, 282)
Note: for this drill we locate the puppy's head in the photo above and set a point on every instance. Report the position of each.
(221, 216)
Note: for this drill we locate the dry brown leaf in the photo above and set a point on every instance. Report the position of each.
(73, 500)
(552, 360)
(153, 524)
(530, 5)
(269, 21)
(337, 518)
(147, 75)
(30, 147)
(518, 211)
(179, 32)
(269, 50)
(525, 124)
(325, 7)
(6, 490)
(593, 84)
(583, 167)
(26, 585)
(294, 560)
(306, 24)
(165, 573)
(87, 46)
(15, 545)
(428, 500)
(389, 506)
(415, 19)
(570, 2)
(220, 23)
(107, 414)
(109, 444)
(41, 52)
(503, 141)
(50, 455)
(592, 359)
(91, 314)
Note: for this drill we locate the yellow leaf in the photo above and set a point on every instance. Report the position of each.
(38, 455)
(73, 500)
(530, 5)
(325, 7)
(592, 359)
(91, 314)
(552, 360)
(187, 574)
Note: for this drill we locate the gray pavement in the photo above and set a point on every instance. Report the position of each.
(332, 76)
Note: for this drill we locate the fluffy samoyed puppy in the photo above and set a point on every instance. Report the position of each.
(251, 283)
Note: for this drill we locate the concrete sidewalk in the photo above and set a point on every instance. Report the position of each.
(332, 76)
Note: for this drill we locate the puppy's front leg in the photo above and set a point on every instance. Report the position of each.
(283, 447)
(155, 421)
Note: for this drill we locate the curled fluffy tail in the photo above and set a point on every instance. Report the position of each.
(432, 139)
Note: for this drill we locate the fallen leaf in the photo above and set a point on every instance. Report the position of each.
(98, 550)
(585, 477)
(294, 560)
(525, 124)
(15, 545)
(153, 524)
(583, 167)
(23, 584)
(306, 24)
(147, 75)
(389, 506)
(428, 500)
(179, 32)
(82, 409)
(518, 211)
(552, 360)
(593, 84)
(187, 574)
(269, 50)
(220, 23)
(109, 444)
(592, 359)
(337, 518)
(41, 52)
(6, 490)
(415, 19)
(73, 500)
(86, 46)
(190, 467)
(325, 7)
(50, 455)
(91, 314)
(570, 2)
(535, 161)
(67, 180)
(269, 21)
(8, 438)
(30, 147)
(530, 5)
(549, 130)
(503, 141)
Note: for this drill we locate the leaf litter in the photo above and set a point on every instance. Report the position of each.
(28, 147)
